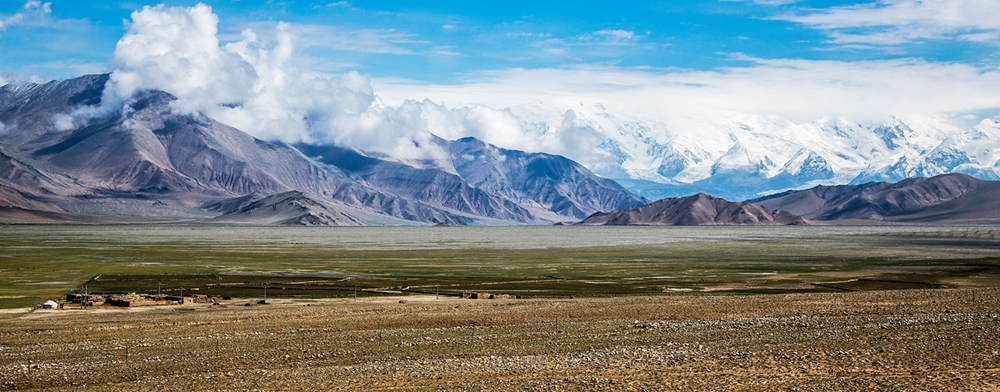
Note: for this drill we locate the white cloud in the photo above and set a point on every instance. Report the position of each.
(597, 43)
(776, 2)
(613, 36)
(250, 84)
(365, 40)
(801, 90)
(498, 127)
(258, 85)
(32, 9)
(381, 41)
(176, 49)
(75, 67)
(63, 122)
(255, 85)
(546, 104)
(893, 22)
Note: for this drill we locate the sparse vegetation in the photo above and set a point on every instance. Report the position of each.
(613, 308)
(942, 339)
(45, 261)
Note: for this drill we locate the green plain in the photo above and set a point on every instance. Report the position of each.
(40, 262)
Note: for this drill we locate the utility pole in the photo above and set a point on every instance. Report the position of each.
(265, 293)
(437, 293)
(158, 291)
(355, 293)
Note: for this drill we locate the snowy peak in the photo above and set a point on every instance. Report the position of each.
(737, 155)
(155, 159)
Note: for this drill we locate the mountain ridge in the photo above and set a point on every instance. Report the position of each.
(161, 161)
(737, 156)
(292, 208)
(695, 210)
(945, 198)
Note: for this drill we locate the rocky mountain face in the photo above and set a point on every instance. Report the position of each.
(504, 183)
(551, 182)
(699, 209)
(292, 208)
(738, 156)
(151, 160)
(944, 198)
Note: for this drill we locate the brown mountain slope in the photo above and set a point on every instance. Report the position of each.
(289, 209)
(941, 199)
(160, 162)
(700, 209)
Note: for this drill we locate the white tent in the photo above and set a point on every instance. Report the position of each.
(50, 304)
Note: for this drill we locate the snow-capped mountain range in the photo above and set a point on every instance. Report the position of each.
(158, 161)
(148, 160)
(739, 156)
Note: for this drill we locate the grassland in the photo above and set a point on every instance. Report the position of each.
(865, 308)
(39, 262)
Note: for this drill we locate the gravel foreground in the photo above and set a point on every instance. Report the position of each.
(912, 340)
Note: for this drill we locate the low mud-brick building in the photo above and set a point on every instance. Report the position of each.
(471, 295)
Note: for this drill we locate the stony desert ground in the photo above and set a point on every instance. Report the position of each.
(904, 340)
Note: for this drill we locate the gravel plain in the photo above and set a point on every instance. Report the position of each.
(903, 340)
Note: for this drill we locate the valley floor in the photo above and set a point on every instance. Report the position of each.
(905, 340)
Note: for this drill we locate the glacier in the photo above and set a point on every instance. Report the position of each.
(738, 156)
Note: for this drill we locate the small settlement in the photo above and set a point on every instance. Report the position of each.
(133, 300)
(471, 295)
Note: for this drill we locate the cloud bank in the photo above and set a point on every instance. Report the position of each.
(257, 85)
(801, 90)
(893, 22)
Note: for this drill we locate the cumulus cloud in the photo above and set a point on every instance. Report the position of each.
(253, 84)
(893, 22)
(32, 9)
(177, 50)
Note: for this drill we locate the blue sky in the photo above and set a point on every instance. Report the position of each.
(381, 75)
(453, 42)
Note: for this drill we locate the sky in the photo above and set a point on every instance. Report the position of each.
(353, 71)
(455, 42)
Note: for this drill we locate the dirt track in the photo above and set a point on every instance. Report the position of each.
(911, 340)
